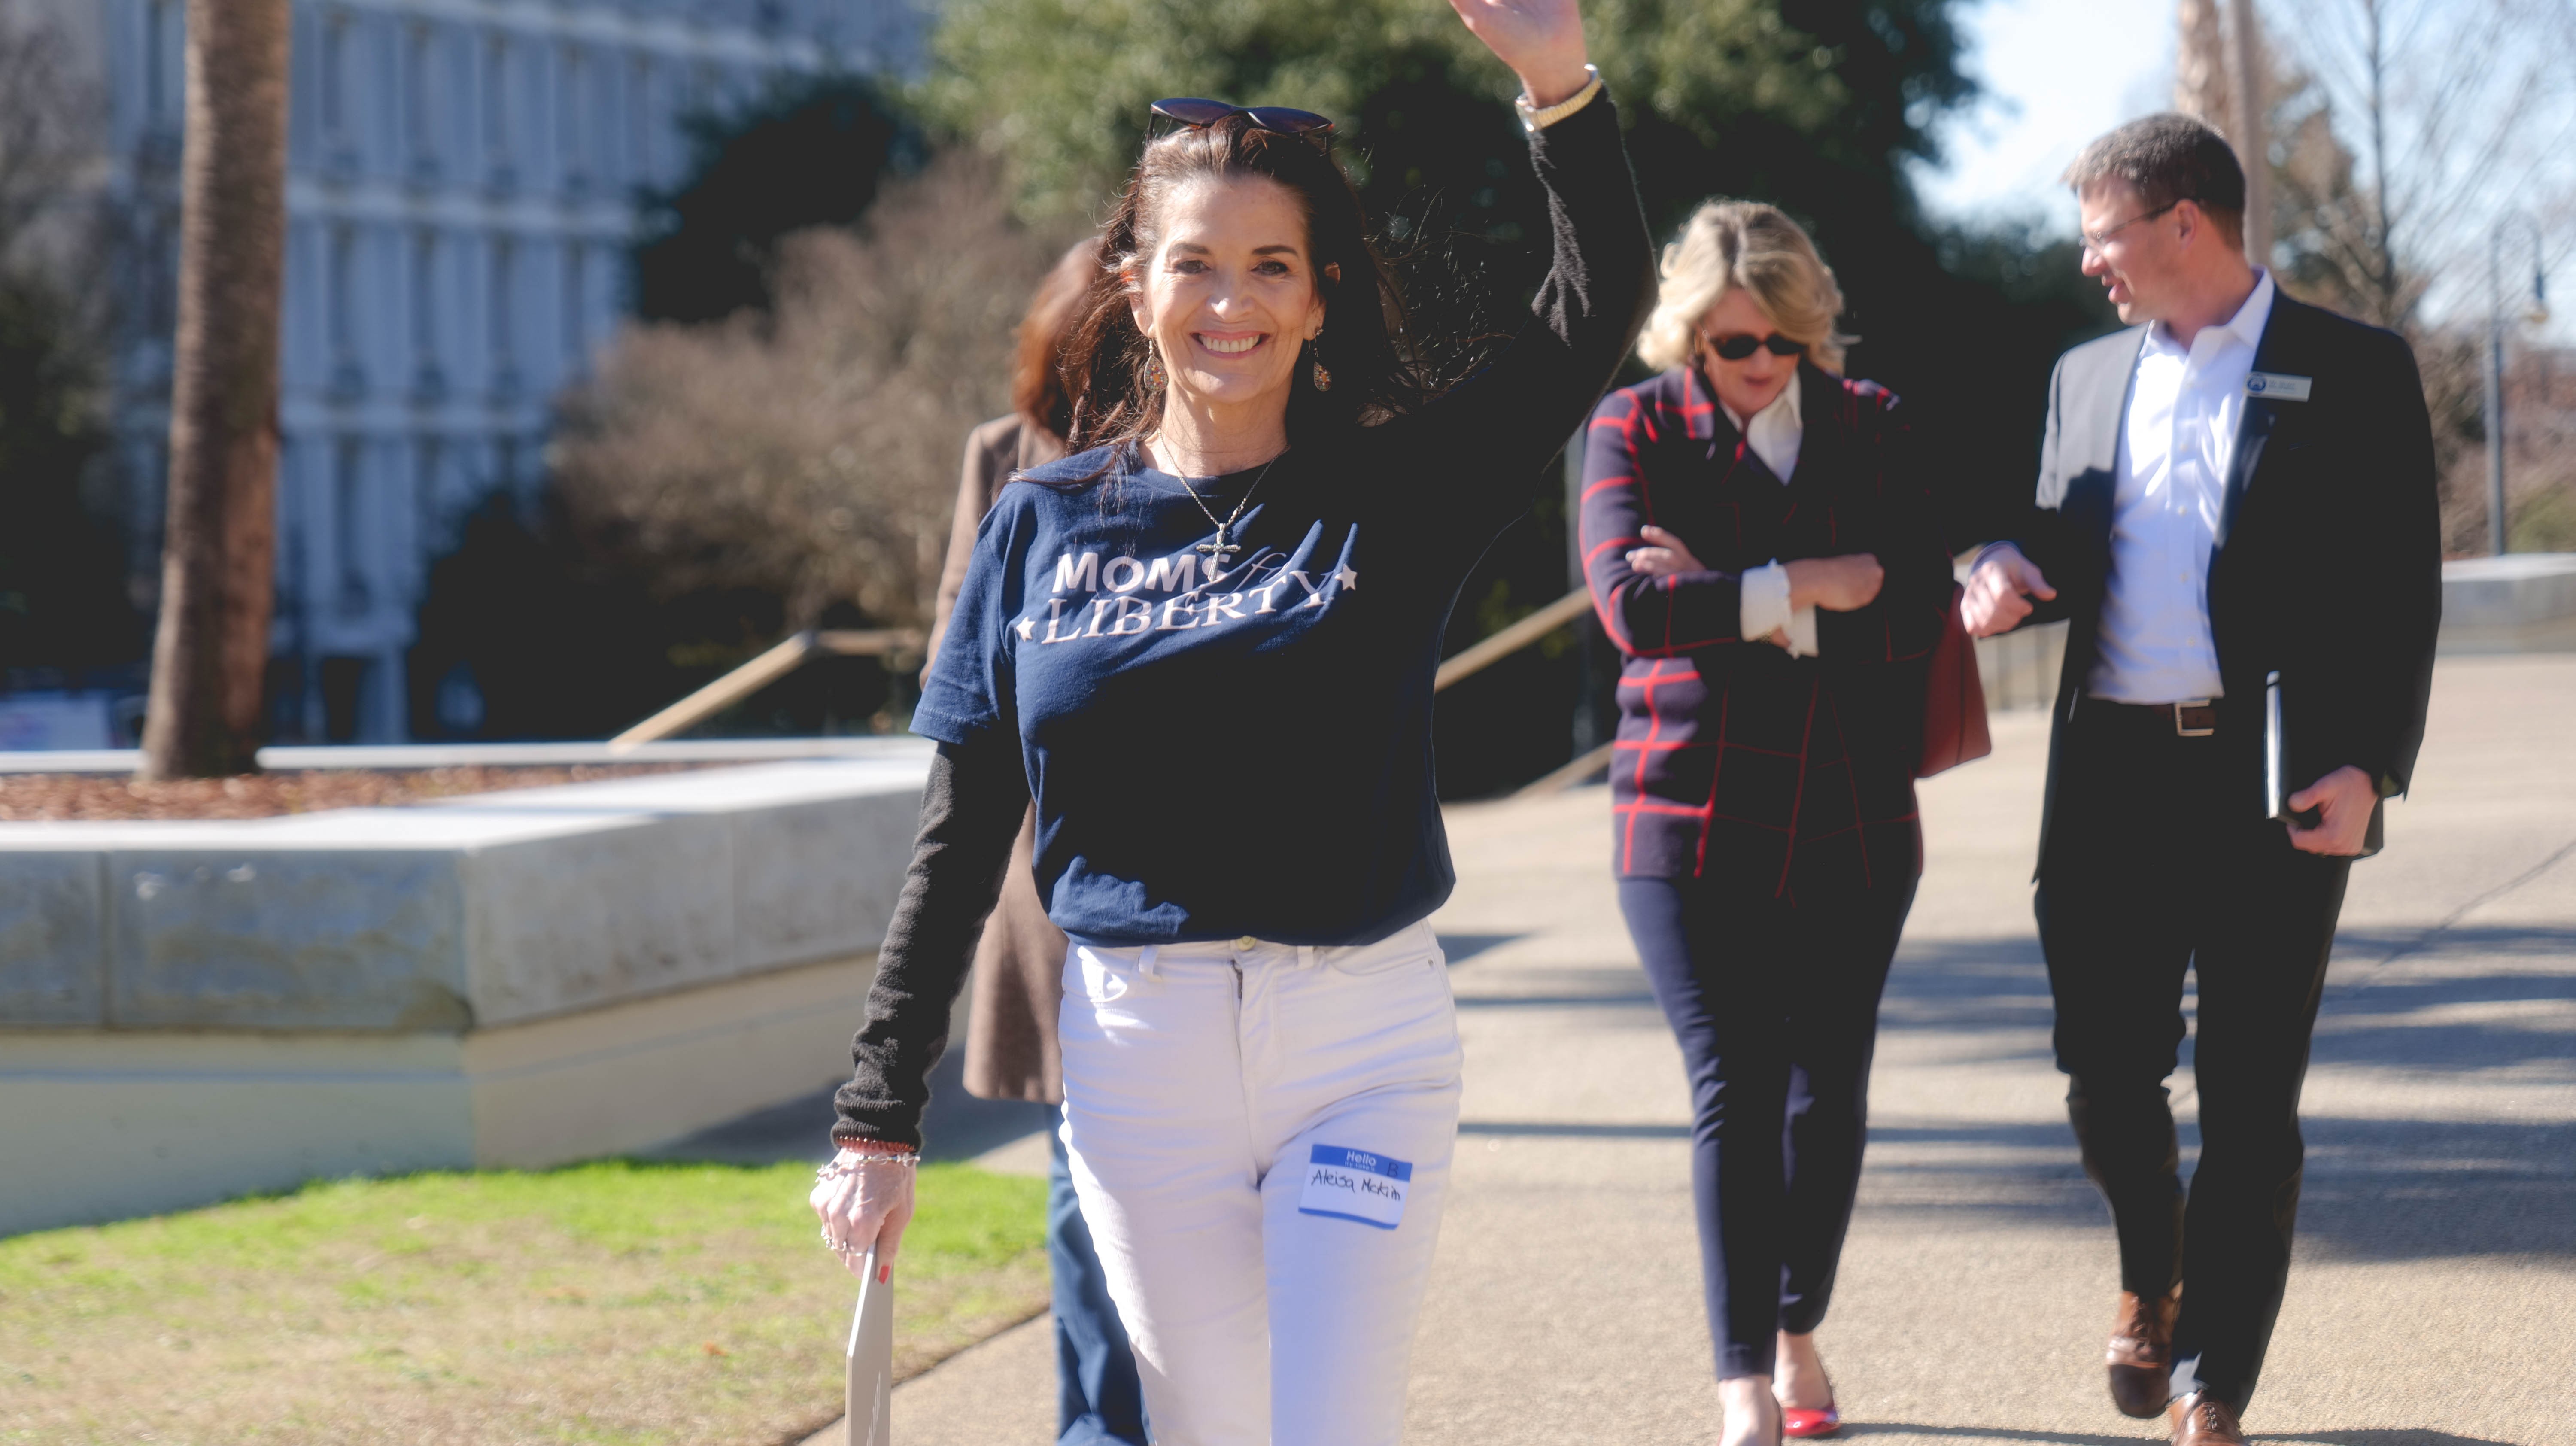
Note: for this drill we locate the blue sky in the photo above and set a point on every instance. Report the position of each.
(2057, 73)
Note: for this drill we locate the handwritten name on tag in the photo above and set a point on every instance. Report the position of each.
(2277, 386)
(1355, 1185)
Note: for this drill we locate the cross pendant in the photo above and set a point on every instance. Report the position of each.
(1218, 551)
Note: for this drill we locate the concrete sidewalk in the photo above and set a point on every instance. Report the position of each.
(2431, 1302)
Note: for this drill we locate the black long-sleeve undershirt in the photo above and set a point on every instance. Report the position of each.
(970, 816)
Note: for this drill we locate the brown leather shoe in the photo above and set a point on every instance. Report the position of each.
(2202, 1420)
(2141, 1355)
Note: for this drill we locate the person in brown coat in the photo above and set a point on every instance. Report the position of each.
(1011, 1051)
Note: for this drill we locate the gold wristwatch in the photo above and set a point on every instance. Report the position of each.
(1535, 120)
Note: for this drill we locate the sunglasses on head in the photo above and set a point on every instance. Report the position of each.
(1197, 114)
(1740, 345)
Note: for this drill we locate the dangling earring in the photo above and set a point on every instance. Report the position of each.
(1323, 378)
(1154, 368)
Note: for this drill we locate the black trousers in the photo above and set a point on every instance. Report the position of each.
(1776, 1009)
(2159, 861)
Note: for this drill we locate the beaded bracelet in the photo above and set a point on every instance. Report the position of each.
(838, 1168)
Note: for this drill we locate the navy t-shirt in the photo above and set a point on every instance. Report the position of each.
(1217, 753)
(1248, 751)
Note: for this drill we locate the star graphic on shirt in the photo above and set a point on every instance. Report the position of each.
(1028, 629)
(1346, 578)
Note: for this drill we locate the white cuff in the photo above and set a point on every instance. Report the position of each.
(1802, 632)
(1762, 608)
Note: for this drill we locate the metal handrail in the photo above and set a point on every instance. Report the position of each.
(762, 671)
(792, 654)
(1468, 661)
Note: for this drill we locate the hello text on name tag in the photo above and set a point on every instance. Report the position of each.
(1355, 1185)
(2277, 386)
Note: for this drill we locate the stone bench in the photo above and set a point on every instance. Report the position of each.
(190, 1010)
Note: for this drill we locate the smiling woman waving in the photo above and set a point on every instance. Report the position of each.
(1204, 645)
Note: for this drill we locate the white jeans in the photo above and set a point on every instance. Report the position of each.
(1238, 1116)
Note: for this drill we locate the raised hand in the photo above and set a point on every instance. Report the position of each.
(1541, 40)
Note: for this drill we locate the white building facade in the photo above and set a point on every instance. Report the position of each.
(461, 193)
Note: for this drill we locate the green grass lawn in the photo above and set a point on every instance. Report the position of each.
(618, 1302)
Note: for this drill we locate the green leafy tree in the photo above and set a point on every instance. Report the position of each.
(63, 602)
(809, 151)
(1798, 101)
(1815, 105)
(62, 575)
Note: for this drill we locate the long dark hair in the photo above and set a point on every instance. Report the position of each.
(1037, 375)
(1374, 375)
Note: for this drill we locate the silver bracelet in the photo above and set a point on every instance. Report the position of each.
(837, 1168)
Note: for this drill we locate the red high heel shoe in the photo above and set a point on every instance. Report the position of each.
(1799, 1424)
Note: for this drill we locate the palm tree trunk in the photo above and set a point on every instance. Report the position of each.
(2253, 146)
(218, 559)
(2201, 85)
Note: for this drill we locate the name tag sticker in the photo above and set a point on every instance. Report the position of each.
(1355, 1185)
(2278, 387)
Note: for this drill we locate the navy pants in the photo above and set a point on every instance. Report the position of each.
(1098, 1399)
(1776, 1010)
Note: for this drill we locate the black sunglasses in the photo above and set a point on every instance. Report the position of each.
(1740, 345)
(1279, 118)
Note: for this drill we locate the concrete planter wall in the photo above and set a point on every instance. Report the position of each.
(192, 1010)
(2523, 602)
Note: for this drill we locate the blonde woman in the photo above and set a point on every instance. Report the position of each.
(1764, 554)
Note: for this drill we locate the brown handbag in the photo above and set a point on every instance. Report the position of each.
(1954, 700)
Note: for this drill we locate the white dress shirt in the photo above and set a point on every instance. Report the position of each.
(1774, 434)
(2154, 643)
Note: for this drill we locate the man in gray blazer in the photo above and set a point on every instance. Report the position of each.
(2235, 487)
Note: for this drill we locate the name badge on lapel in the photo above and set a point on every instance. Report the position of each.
(2278, 387)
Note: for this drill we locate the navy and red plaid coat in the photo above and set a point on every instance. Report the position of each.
(1734, 760)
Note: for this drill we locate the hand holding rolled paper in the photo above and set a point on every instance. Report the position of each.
(864, 1201)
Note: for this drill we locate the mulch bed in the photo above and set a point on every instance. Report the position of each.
(41, 797)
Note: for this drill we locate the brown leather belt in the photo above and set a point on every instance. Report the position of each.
(2191, 718)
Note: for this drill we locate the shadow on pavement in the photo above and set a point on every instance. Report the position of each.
(2417, 1189)
(2382, 1437)
(2385, 1436)
(957, 1126)
(2471, 1007)
(1462, 947)
(1987, 1433)
(1553, 1130)
(2456, 1015)
(2375, 1189)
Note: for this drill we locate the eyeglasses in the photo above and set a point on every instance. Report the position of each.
(2094, 241)
(1198, 114)
(1742, 345)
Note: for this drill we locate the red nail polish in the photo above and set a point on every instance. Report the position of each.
(884, 1274)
